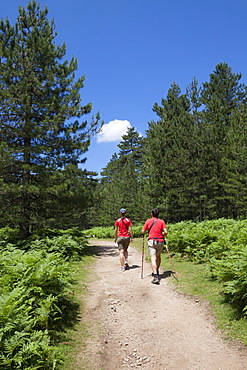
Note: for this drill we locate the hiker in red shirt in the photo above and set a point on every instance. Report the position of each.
(123, 235)
(156, 236)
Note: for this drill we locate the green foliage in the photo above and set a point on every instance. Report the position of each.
(8, 235)
(70, 244)
(223, 244)
(65, 245)
(203, 240)
(34, 294)
(232, 272)
(29, 351)
(100, 232)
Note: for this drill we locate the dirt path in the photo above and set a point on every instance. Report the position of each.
(135, 324)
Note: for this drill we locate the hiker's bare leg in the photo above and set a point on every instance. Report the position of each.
(126, 254)
(158, 260)
(154, 264)
(121, 257)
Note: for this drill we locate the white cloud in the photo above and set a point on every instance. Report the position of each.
(113, 131)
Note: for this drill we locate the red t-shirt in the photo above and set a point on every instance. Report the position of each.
(156, 229)
(123, 224)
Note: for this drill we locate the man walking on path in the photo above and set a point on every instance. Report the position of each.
(123, 235)
(156, 236)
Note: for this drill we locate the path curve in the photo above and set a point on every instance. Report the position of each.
(135, 324)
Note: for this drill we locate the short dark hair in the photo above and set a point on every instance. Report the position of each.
(155, 212)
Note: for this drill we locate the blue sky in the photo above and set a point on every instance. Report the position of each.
(131, 51)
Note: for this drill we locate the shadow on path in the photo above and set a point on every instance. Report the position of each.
(133, 267)
(106, 250)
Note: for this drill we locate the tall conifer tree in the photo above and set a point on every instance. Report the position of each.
(221, 97)
(167, 156)
(119, 185)
(40, 108)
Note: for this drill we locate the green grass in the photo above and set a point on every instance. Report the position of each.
(196, 282)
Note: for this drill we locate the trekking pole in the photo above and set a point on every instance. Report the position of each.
(142, 267)
(174, 273)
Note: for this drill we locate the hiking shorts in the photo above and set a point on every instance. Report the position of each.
(155, 247)
(123, 242)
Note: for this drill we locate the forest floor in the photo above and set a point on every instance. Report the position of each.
(135, 324)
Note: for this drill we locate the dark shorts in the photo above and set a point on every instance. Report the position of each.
(123, 242)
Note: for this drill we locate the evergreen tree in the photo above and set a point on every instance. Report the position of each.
(167, 157)
(109, 193)
(120, 182)
(235, 165)
(130, 158)
(39, 97)
(221, 97)
(72, 192)
(197, 149)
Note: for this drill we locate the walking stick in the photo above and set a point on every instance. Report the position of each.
(142, 267)
(174, 273)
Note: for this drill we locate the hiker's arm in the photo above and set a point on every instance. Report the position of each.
(144, 229)
(164, 232)
(115, 233)
(131, 232)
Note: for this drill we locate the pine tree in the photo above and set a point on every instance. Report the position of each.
(119, 185)
(73, 191)
(40, 108)
(109, 196)
(235, 165)
(221, 97)
(167, 157)
(130, 157)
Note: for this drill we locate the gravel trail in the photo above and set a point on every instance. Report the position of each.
(135, 324)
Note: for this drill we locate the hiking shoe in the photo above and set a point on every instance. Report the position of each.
(155, 280)
(126, 265)
(122, 268)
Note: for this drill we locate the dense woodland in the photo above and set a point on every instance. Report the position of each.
(191, 162)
